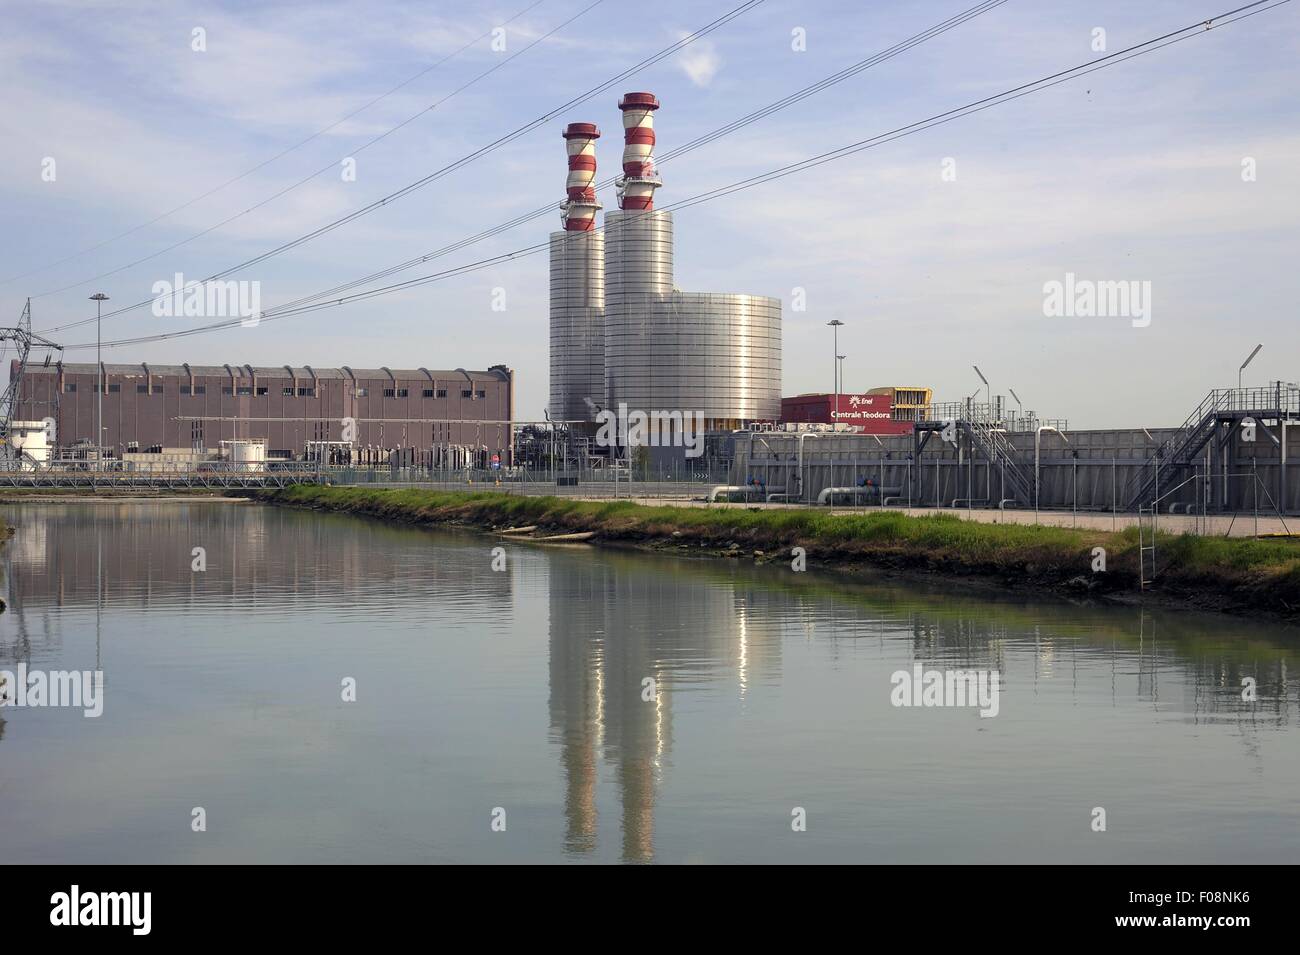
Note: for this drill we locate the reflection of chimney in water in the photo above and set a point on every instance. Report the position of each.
(576, 702)
(613, 625)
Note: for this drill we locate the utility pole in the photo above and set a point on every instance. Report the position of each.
(99, 298)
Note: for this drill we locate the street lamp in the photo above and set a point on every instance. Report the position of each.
(987, 391)
(99, 298)
(835, 324)
(1038, 440)
(1020, 408)
(840, 386)
(1247, 362)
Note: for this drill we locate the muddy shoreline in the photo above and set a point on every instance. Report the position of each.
(1038, 562)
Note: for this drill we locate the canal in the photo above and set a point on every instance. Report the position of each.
(330, 689)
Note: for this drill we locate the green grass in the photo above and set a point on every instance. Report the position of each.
(1264, 573)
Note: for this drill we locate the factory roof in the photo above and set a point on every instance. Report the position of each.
(496, 372)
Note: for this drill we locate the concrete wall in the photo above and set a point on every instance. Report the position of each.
(1106, 471)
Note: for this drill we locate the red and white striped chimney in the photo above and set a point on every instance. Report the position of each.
(579, 210)
(636, 189)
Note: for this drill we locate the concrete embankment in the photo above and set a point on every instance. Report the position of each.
(1252, 577)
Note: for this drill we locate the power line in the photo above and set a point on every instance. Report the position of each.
(1006, 96)
(673, 48)
(329, 167)
(763, 112)
(262, 165)
(713, 136)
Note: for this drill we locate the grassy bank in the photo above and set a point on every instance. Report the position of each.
(1233, 574)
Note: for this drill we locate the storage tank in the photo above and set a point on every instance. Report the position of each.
(246, 454)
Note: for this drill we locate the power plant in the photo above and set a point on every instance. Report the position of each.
(627, 345)
(622, 333)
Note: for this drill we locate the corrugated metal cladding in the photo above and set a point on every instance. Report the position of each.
(148, 405)
(716, 353)
(577, 324)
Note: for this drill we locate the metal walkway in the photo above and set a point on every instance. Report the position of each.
(1220, 417)
(212, 479)
(988, 438)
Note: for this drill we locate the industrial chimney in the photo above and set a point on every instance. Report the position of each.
(578, 290)
(636, 187)
(716, 354)
(579, 211)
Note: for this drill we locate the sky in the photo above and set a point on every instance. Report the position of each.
(1177, 169)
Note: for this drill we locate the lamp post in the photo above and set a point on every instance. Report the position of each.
(1248, 360)
(988, 392)
(839, 387)
(1020, 408)
(835, 324)
(99, 298)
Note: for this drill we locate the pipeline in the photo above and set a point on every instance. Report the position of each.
(869, 490)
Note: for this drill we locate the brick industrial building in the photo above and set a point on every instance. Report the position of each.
(425, 413)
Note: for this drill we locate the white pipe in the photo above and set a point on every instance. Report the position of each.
(802, 435)
(826, 493)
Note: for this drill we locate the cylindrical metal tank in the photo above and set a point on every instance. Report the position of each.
(249, 455)
(620, 333)
(665, 350)
(577, 324)
(638, 256)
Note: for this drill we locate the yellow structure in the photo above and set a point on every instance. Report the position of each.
(909, 403)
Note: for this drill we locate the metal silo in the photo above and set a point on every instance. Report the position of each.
(666, 350)
(620, 332)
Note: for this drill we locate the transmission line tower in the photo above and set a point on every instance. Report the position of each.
(24, 340)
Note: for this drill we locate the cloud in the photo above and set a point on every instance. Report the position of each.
(699, 61)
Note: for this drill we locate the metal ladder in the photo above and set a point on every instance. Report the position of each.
(1143, 546)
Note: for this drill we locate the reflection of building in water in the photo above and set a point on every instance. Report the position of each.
(1223, 687)
(614, 624)
(143, 555)
(1186, 655)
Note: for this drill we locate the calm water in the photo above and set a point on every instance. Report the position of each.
(522, 690)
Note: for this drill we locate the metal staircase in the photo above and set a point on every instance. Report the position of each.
(1221, 406)
(988, 437)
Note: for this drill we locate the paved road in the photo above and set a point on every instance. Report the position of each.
(1243, 525)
